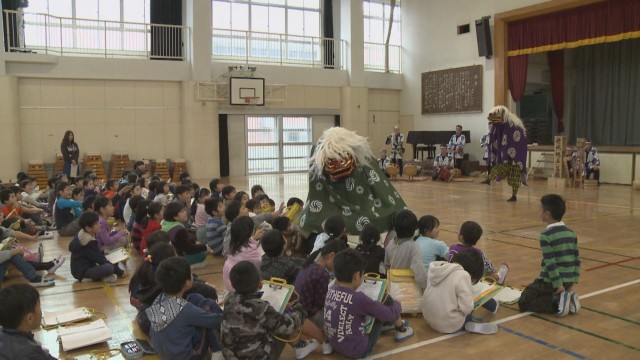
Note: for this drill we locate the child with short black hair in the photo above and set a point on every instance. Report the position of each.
(470, 233)
(254, 207)
(448, 301)
(215, 227)
(430, 248)
(182, 329)
(108, 239)
(346, 310)
(87, 204)
(88, 262)
(66, 211)
(183, 197)
(250, 325)
(173, 224)
(228, 193)
(372, 252)
(20, 313)
(403, 252)
(256, 190)
(162, 191)
(274, 262)
(552, 291)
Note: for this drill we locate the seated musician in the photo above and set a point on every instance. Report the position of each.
(456, 146)
(591, 162)
(396, 140)
(442, 164)
(383, 161)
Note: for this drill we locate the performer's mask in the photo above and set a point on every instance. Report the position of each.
(340, 168)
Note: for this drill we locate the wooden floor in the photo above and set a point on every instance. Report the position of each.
(607, 221)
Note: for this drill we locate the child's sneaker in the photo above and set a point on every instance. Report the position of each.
(492, 305)
(217, 356)
(403, 333)
(110, 279)
(86, 280)
(563, 304)
(44, 235)
(327, 349)
(502, 273)
(43, 282)
(199, 265)
(305, 347)
(389, 328)
(481, 328)
(574, 304)
(56, 264)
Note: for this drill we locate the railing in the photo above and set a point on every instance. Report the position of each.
(253, 47)
(374, 58)
(47, 34)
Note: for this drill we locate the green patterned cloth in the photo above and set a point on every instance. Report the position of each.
(364, 197)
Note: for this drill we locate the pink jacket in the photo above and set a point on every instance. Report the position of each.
(251, 252)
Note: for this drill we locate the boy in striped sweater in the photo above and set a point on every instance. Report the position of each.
(552, 291)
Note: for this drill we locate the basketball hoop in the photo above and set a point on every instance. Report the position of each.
(251, 100)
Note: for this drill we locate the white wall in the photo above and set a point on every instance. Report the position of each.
(429, 35)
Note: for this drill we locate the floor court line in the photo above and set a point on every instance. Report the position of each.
(497, 322)
(544, 343)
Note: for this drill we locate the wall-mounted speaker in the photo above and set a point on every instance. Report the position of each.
(483, 34)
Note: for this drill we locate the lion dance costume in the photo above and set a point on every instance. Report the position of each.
(344, 179)
(507, 149)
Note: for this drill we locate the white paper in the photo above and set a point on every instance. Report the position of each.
(275, 295)
(74, 170)
(74, 337)
(53, 318)
(117, 255)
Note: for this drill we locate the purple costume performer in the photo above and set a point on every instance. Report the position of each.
(507, 149)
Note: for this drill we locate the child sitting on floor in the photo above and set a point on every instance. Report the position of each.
(243, 246)
(201, 217)
(66, 211)
(334, 227)
(346, 310)
(215, 227)
(371, 251)
(108, 239)
(175, 216)
(87, 260)
(403, 252)
(250, 325)
(552, 291)
(149, 216)
(182, 329)
(470, 233)
(430, 248)
(274, 262)
(20, 313)
(448, 301)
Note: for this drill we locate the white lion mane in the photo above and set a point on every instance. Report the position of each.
(508, 116)
(335, 143)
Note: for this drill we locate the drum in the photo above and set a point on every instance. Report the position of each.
(410, 170)
(444, 174)
(392, 170)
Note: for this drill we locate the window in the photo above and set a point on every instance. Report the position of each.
(293, 17)
(376, 28)
(278, 143)
(282, 31)
(87, 26)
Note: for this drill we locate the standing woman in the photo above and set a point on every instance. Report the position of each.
(70, 152)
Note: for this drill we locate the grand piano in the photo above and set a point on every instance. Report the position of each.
(430, 141)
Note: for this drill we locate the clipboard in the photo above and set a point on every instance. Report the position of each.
(509, 295)
(277, 293)
(484, 291)
(117, 255)
(56, 318)
(375, 288)
(74, 337)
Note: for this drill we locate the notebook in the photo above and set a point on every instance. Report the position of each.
(74, 337)
(484, 291)
(117, 255)
(55, 318)
(277, 293)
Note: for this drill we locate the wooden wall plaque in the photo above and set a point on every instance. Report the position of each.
(457, 90)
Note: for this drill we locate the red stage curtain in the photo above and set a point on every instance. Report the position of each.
(518, 75)
(608, 21)
(556, 65)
